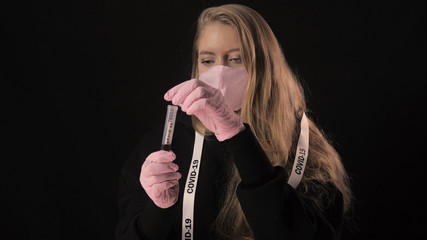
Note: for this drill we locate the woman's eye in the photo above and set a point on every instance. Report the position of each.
(207, 62)
(235, 60)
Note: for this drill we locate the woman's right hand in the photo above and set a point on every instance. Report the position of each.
(159, 178)
(208, 105)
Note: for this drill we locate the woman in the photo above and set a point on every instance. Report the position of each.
(249, 110)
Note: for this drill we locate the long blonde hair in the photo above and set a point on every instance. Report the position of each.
(273, 107)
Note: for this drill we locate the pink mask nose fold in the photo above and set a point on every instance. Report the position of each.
(232, 83)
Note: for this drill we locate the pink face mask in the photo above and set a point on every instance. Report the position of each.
(231, 81)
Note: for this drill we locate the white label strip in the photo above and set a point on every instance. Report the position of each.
(300, 154)
(190, 189)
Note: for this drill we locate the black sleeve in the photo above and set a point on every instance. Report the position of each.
(272, 207)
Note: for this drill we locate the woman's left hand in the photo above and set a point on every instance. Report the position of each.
(208, 105)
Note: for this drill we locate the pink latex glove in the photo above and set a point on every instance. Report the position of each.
(159, 178)
(207, 104)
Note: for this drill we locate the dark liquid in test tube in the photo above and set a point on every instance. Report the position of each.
(165, 147)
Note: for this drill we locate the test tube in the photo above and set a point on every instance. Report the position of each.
(169, 127)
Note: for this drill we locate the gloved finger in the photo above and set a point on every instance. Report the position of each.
(197, 94)
(178, 93)
(211, 104)
(182, 92)
(204, 104)
(159, 168)
(196, 106)
(161, 157)
(171, 92)
(159, 188)
(150, 181)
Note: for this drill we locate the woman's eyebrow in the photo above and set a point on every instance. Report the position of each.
(233, 50)
(206, 52)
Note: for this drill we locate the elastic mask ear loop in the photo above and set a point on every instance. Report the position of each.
(301, 154)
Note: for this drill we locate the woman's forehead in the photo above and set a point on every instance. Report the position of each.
(218, 37)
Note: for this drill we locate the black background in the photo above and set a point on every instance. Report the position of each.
(82, 81)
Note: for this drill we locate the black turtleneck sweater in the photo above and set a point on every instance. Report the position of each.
(272, 208)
